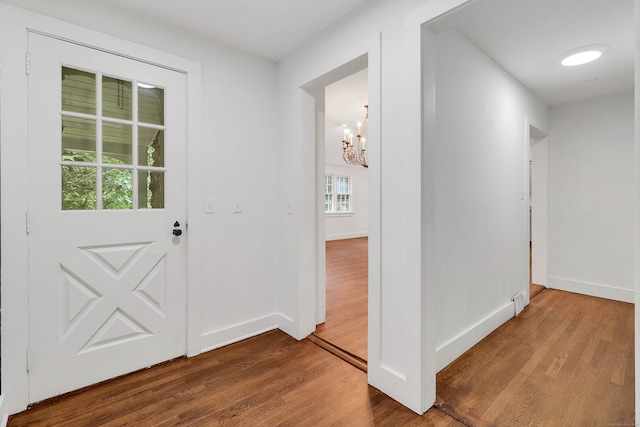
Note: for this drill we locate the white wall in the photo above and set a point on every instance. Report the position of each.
(592, 197)
(237, 268)
(481, 214)
(395, 352)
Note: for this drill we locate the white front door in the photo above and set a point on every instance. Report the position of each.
(107, 196)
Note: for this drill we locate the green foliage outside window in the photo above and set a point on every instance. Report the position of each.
(79, 184)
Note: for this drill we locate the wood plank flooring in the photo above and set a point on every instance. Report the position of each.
(267, 380)
(535, 290)
(347, 275)
(567, 360)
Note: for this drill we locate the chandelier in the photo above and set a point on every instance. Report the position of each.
(353, 152)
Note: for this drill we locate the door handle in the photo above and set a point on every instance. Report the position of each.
(176, 229)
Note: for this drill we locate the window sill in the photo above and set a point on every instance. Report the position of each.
(338, 214)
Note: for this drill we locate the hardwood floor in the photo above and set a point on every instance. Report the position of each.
(535, 290)
(347, 273)
(567, 360)
(267, 380)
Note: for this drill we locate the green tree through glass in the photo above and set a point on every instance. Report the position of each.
(79, 183)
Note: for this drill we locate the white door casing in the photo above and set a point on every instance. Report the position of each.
(107, 287)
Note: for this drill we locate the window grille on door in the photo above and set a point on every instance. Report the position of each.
(113, 141)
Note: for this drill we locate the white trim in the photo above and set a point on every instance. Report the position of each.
(530, 121)
(310, 282)
(420, 104)
(346, 236)
(4, 416)
(14, 205)
(232, 334)
(593, 289)
(338, 214)
(451, 350)
(637, 208)
(14, 26)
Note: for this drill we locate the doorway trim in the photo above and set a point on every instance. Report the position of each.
(532, 124)
(14, 27)
(637, 213)
(367, 54)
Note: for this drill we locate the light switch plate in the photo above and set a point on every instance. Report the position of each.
(209, 205)
(237, 205)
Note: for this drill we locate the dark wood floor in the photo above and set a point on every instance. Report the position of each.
(347, 275)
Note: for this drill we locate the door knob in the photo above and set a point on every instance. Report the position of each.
(176, 230)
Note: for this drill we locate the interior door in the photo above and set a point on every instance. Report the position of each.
(106, 221)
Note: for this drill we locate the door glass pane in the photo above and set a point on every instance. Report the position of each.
(117, 142)
(78, 91)
(78, 139)
(78, 188)
(150, 105)
(117, 189)
(150, 147)
(116, 98)
(150, 190)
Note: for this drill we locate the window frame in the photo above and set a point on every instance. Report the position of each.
(331, 191)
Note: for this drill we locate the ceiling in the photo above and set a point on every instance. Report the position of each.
(525, 37)
(267, 28)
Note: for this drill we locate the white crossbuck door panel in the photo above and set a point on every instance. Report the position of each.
(107, 203)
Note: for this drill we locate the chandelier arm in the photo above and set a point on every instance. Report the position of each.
(354, 153)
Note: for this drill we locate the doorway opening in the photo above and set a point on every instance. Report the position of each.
(538, 150)
(343, 328)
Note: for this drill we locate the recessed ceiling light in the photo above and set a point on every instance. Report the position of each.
(582, 55)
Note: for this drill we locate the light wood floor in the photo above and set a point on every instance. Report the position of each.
(347, 275)
(566, 360)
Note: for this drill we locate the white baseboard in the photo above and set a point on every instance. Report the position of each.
(455, 347)
(346, 236)
(222, 337)
(4, 417)
(593, 289)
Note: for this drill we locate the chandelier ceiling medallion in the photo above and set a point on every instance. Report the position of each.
(354, 152)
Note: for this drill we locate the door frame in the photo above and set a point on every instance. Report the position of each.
(14, 27)
(312, 237)
(531, 126)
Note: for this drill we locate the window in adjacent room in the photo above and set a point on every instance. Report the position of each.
(337, 194)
